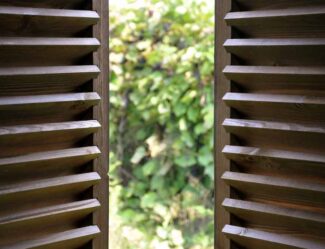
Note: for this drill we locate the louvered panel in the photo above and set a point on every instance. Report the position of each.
(271, 157)
(53, 151)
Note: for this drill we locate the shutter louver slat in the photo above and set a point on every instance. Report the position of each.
(253, 238)
(41, 157)
(41, 215)
(44, 80)
(55, 22)
(82, 180)
(49, 51)
(271, 215)
(72, 238)
(287, 22)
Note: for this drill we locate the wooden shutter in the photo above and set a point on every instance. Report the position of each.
(270, 136)
(53, 124)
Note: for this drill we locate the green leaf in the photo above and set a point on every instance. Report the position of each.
(157, 183)
(199, 129)
(205, 157)
(149, 200)
(193, 114)
(185, 160)
(128, 214)
(187, 139)
(179, 109)
(149, 168)
(209, 171)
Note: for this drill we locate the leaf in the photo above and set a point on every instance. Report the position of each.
(209, 120)
(164, 168)
(139, 153)
(193, 114)
(128, 214)
(205, 157)
(199, 129)
(209, 171)
(149, 168)
(185, 160)
(157, 183)
(179, 109)
(187, 139)
(149, 200)
(139, 188)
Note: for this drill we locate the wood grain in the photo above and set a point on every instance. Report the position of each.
(277, 162)
(252, 238)
(290, 220)
(75, 238)
(44, 51)
(275, 120)
(282, 107)
(281, 52)
(306, 21)
(101, 113)
(277, 188)
(43, 22)
(53, 70)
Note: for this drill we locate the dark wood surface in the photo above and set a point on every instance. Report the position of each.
(100, 113)
(222, 111)
(272, 107)
(53, 124)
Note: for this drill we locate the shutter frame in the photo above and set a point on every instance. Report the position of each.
(54, 124)
(269, 130)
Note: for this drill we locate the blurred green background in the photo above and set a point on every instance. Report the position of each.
(161, 124)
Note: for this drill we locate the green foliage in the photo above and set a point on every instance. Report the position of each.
(161, 122)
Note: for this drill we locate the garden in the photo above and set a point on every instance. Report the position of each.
(161, 124)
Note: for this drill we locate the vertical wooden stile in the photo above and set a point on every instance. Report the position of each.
(221, 138)
(101, 113)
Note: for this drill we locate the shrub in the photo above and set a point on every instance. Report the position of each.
(161, 122)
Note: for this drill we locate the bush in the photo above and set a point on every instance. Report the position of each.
(161, 123)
